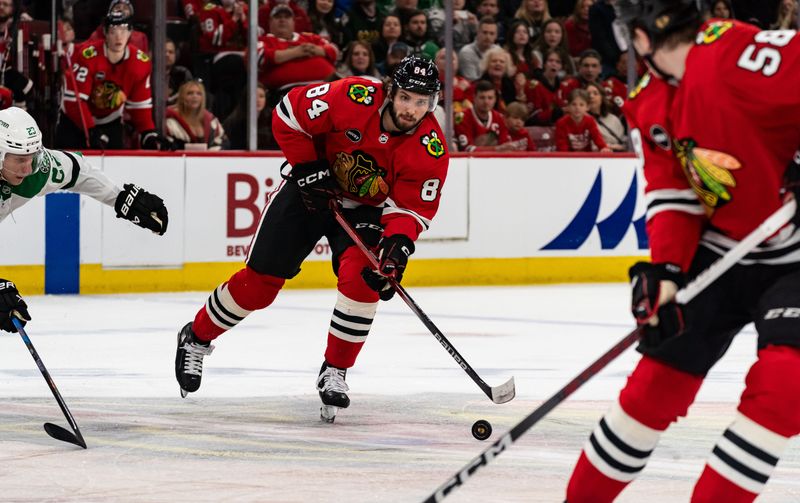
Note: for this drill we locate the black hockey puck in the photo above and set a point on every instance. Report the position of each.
(481, 429)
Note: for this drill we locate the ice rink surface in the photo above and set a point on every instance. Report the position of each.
(252, 432)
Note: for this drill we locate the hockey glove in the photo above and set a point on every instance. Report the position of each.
(153, 140)
(316, 184)
(142, 208)
(11, 304)
(653, 301)
(98, 139)
(393, 253)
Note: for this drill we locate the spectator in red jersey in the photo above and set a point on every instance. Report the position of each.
(324, 22)
(589, 68)
(220, 55)
(577, 130)
(515, 116)
(138, 38)
(519, 46)
(610, 126)
(302, 22)
(189, 125)
(288, 58)
(543, 94)
(483, 127)
(577, 28)
(553, 37)
(107, 78)
(497, 69)
(357, 60)
(391, 31)
(462, 90)
(536, 13)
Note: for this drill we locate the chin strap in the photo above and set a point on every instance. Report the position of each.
(667, 77)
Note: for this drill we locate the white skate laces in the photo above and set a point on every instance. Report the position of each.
(193, 357)
(332, 379)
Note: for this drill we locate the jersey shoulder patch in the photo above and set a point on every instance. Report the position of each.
(643, 83)
(89, 52)
(434, 146)
(362, 93)
(712, 32)
(142, 56)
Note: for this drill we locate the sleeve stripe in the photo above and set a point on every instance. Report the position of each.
(76, 170)
(655, 195)
(286, 114)
(135, 105)
(391, 207)
(692, 209)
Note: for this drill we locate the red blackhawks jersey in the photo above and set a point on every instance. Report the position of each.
(734, 130)
(219, 32)
(474, 133)
(341, 122)
(104, 88)
(296, 71)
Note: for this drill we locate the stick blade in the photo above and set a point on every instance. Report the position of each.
(60, 433)
(505, 392)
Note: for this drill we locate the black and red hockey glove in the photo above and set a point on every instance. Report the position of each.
(393, 253)
(11, 304)
(653, 289)
(316, 183)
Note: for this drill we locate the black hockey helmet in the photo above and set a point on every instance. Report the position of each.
(117, 18)
(418, 75)
(659, 18)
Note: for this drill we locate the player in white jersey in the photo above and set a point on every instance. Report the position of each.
(28, 170)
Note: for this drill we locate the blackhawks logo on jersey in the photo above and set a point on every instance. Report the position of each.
(361, 94)
(713, 32)
(107, 96)
(708, 171)
(433, 144)
(89, 52)
(358, 173)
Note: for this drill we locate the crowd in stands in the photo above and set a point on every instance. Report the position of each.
(529, 74)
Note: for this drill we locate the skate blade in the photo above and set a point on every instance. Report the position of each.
(328, 413)
(184, 393)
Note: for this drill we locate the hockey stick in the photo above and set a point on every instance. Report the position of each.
(498, 394)
(767, 228)
(53, 430)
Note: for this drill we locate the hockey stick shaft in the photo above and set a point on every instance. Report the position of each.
(52, 430)
(498, 394)
(769, 227)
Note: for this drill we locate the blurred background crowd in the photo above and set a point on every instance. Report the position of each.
(529, 74)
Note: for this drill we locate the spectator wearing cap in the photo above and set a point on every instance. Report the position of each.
(288, 58)
(302, 21)
(138, 38)
(470, 56)
(362, 22)
(416, 30)
(391, 31)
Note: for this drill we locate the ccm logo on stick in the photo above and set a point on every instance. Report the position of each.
(782, 312)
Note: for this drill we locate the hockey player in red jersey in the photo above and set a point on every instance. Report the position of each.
(718, 129)
(107, 77)
(382, 151)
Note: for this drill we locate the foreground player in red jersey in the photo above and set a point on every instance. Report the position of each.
(382, 150)
(718, 126)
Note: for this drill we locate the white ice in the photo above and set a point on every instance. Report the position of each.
(252, 432)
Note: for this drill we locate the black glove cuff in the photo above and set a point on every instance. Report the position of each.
(663, 271)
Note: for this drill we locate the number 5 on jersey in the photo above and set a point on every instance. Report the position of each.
(317, 106)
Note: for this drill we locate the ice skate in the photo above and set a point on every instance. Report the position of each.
(332, 390)
(189, 360)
